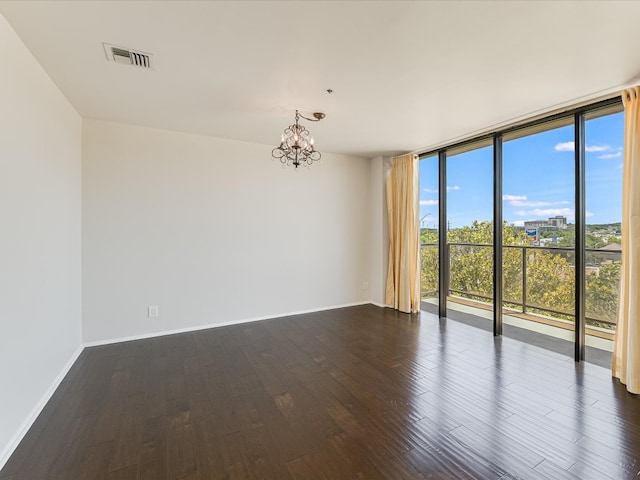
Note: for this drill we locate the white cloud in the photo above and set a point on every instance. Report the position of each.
(597, 148)
(610, 155)
(521, 201)
(571, 146)
(565, 147)
(428, 190)
(546, 213)
(428, 202)
(551, 212)
(513, 197)
(518, 223)
(532, 203)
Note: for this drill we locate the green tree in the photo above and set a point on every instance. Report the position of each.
(602, 293)
(550, 273)
(550, 280)
(429, 262)
(471, 266)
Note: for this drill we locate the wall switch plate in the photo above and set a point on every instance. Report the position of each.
(153, 311)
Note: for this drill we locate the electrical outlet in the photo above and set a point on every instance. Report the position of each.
(153, 311)
(365, 286)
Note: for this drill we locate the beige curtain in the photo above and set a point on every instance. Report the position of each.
(626, 353)
(403, 275)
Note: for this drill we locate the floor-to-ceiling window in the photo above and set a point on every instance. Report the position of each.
(603, 193)
(538, 187)
(469, 223)
(429, 221)
(558, 197)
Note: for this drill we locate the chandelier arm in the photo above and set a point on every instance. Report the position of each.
(310, 119)
(317, 119)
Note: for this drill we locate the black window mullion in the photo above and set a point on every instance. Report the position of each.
(497, 235)
(580, 253)
(443, 247)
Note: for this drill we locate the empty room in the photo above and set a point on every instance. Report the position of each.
(319, 240)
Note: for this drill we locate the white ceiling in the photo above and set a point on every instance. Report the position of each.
(406, 75)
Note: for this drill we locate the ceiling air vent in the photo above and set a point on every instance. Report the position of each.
(128, 56)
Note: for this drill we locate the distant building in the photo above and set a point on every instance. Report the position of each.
(556, 223)
(559, 221)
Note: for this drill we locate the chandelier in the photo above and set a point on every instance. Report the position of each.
(296, 145)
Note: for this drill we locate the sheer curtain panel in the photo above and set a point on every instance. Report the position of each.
(403, 275)
(626, 354)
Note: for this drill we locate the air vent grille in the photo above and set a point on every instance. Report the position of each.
(127, 56)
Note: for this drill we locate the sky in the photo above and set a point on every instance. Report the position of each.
(538, 178)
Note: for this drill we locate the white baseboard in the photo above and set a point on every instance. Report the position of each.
(221, 324)
(28, 422)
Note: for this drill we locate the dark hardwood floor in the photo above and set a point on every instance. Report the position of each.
(354, 393)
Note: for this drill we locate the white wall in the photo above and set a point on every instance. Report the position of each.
(379, 230)
(380, 169)
(40, 293)
(214, 231)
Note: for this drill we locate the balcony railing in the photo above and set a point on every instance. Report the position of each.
(536, 280)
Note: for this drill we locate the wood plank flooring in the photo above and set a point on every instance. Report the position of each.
(354, 393)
